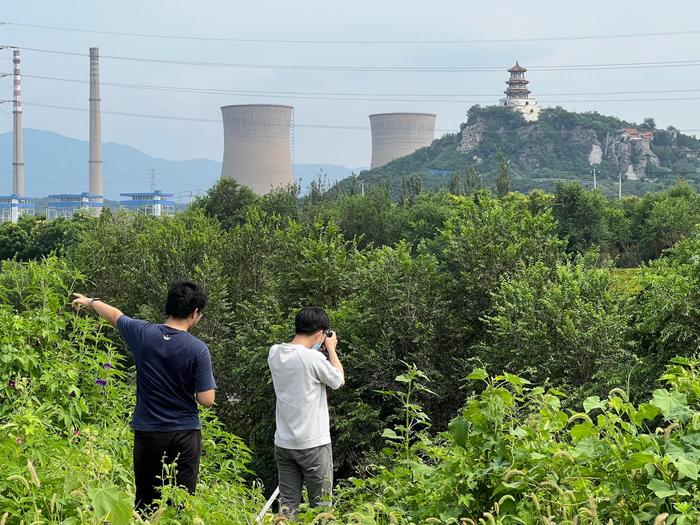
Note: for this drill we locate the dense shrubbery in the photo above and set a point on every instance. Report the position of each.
(65, 441)
(523, 286)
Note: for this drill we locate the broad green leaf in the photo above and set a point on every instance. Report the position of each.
(515, 380)
(459, 429)
(661, 488)
(583, 430)
(593, 402)
(687, 468)
(122, 511)
(105, 498)
(639, 459)
(478, 374)
(644, 412)
(390, 434)
(673, 405)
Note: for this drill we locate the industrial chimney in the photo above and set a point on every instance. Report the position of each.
(17, 130)
(396, 135)
(257, 145)
(96, 184)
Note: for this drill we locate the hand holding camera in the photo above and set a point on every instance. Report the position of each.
(330, 341)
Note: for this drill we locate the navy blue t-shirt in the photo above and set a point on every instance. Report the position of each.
(171, 365)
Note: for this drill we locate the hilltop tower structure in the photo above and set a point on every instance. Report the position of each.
(518, 95)
(257, 145)
(396, 135)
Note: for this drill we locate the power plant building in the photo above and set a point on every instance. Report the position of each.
(257, 145)
(396, 135)
(154, 203)
(66, 205)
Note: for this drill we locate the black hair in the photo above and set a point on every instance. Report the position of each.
(184, 297)
(311, 319)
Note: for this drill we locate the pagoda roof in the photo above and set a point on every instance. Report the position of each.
(518, 81)
(517, 68)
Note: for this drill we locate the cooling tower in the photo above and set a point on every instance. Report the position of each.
(96, 178)
(396, 135)
(257, 145)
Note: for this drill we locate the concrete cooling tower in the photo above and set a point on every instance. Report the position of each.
(396, 135)
(257, 146)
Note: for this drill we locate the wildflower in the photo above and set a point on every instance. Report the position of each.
(11, 383)
(32, 471)
(76, 432)
(100, 382)
(107, 366)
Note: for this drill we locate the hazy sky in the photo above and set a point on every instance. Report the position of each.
(357, 20)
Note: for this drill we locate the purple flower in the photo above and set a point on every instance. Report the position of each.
(11, 383)
(100, 382)
(107, 366)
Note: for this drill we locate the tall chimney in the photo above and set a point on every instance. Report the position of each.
(17, 131)
(95, 162)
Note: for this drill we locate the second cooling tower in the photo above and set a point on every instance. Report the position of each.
(257, 145)
(396, 135)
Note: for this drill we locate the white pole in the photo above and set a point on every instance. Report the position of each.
(619, 188)
(595, 179)
(268, 505)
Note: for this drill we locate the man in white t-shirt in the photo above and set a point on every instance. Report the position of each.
(300, 374)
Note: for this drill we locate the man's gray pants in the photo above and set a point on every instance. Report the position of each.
(313, 466)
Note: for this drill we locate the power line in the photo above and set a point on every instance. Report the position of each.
(315, 95)
(389, 69)
(358, 42)
(218, 121)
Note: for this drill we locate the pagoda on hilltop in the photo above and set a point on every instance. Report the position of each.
(518, 94)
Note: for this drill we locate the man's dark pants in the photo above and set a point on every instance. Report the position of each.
(152, 450)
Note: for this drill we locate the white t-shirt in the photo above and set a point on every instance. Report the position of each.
(300, 376)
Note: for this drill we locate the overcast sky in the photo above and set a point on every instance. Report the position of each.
(357, 20)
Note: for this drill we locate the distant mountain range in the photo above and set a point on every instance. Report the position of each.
(58, 164)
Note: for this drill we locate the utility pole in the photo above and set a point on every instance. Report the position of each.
(362, 187)
(595, 179)
(619, 188)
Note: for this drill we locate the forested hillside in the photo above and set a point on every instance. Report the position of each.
(523, 358)
(561, 145)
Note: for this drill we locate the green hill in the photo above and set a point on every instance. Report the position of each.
(561, 145)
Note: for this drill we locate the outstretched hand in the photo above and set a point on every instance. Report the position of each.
(80, 300)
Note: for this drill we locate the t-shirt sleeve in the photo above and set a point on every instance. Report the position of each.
(325, 372)
(132, 331)
(203, 374)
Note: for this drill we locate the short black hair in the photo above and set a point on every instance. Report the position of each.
(184, 297)
(311, 319)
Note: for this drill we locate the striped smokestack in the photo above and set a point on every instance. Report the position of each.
(17, 130)
(95, 161)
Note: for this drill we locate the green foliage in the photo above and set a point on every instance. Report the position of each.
(503, 178)
(566, 325)
(513, 455)
(487, 240)
(227, 201)
(581, 216)
(524, 285)
(65, 441)
(34, 237)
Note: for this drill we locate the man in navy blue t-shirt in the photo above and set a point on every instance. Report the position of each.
(173, 374)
